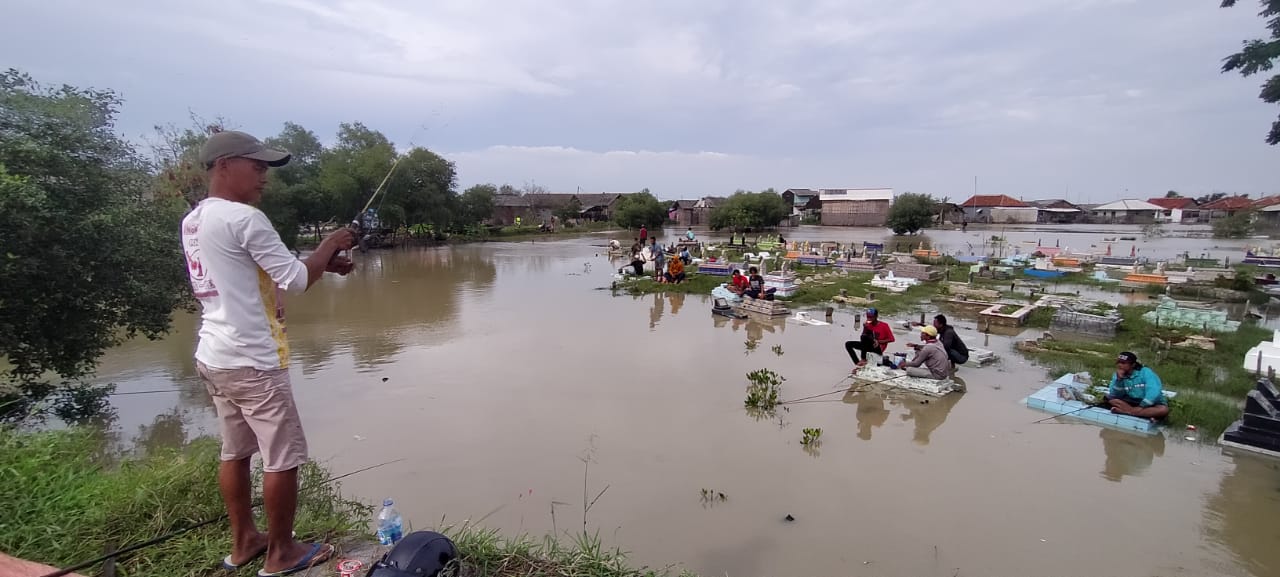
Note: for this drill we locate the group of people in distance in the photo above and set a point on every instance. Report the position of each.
(1135, 390)
(666, 270)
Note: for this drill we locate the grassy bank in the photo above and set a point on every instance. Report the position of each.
(486, 552)
(1211, 384)
(62, 501)
(818, 292)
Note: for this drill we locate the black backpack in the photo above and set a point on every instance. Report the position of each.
(419, 554)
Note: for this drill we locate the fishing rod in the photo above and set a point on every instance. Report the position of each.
(189, 528)
(357, 223)
(842, 391)
(1068, 413)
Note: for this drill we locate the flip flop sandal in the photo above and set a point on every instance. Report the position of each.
(229, 566)
(319, 553)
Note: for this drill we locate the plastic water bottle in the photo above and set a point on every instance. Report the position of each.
(390, 525)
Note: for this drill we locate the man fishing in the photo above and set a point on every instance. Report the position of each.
(875, 338)
(931, 360)
(1136, 390)
(239, 269)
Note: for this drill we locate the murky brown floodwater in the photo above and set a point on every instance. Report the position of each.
(505, 366)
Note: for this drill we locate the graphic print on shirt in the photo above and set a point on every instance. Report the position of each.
(273, 308)
(201, 283)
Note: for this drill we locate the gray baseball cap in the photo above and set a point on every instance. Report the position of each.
(236, 144)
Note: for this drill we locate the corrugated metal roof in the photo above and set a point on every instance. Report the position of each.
(839, 194)
(1129, 205)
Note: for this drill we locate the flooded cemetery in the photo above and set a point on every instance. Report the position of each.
(535, 387)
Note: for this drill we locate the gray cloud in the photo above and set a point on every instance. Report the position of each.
(1096, 96)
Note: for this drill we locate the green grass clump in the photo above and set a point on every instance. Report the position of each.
(486, 552)
(1210, 385)
(62, 500)
(856, 286)
(693, 284)
(1041, 317)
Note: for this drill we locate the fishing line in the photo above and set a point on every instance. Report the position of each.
(205, 523)
(843, 391)
(1084, 408)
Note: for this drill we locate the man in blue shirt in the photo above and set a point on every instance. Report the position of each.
(1136, 390)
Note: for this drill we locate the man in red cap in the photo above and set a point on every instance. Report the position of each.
(239, 270)
(875, 338)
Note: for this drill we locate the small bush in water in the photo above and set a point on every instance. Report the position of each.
(764, 388)
(811, 436)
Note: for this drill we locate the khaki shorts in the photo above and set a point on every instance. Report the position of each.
(256, 413)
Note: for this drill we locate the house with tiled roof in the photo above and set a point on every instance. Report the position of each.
(998, 208)
(1267, 212)
(1224, 207)
(1176, 210)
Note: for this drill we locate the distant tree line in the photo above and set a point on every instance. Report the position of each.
(330, 185)
(745, 210)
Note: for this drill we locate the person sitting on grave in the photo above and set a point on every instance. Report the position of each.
(738, 283)
(685, 256)
(689, 234)
(931, 360)
(675, 271)
(875, 338)
(1136, 390)
(755, 286)
(956, 349)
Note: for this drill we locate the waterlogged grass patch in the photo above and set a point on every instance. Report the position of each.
(1211, 385)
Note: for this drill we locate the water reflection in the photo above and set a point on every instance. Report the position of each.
(870, 411)
(1128, 454)
(1243, 515)
(395, 298)
(928, 414)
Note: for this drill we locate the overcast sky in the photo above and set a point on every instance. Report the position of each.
(1089, 99)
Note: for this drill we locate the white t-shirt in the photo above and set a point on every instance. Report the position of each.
(238, 267)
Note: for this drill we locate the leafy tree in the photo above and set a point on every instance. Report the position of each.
(1238, 225)
(911, 212)
(351, 170)
(1259, 56)
(1208, 198)
(639, 209)
(476, 203)
(1172, 194)
(88, 257)
(425, 186)
(570, 211)
(753, 210)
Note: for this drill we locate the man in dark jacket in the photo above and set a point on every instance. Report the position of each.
(956, 350)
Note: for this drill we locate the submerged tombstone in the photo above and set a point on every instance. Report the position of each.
(1259, 430)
